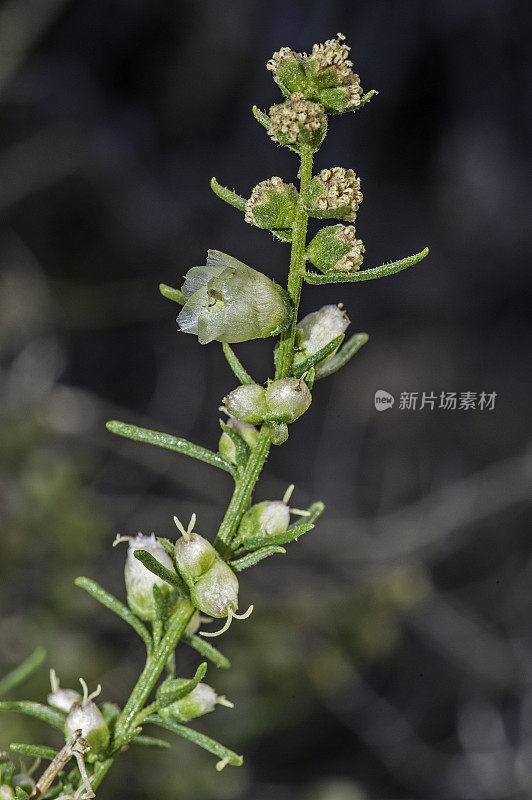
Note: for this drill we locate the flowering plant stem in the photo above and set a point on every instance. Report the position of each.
(171, 585)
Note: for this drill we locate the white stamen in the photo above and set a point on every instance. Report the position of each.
(288, 494)
(54, 681)
(118, 539)
(223, 701)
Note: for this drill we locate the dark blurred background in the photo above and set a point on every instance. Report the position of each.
(390, 653)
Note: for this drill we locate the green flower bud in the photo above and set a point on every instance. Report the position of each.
(201, 700)
(297, 121)
(316, 330)
(287, 399)
(63, 699)
(139, 580)
(226, 446)
(228, 301)
(288, 70)
(272, 204)
(266, 519)
(336, 248)
(247, 403)
(334, 189)
(87, 717)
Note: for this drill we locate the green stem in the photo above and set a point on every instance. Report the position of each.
(297, 267)
(155, 664)
(245, 484)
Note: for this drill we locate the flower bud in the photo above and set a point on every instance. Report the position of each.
(297, 121)
(272, 204)
(287, 399)
(288, 70)
(336, 248)
(139, 580)
(335, 188)
(201, 700)
(194, 556)
(87, 717)
(226, 446)
(316, 330)
(228, 301)
(247, 403)
(63, 699)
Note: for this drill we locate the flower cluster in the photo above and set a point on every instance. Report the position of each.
(336, 188)
(297, 121)
(272, 204)
(324, 76)
(336, 248)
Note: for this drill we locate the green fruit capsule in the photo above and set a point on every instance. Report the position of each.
(139, 580)
(247, 432)
(317, 330)
(247, 403)
(229, 302)
(287, 399)
(201, 700)
(87, 717)
(212, 583)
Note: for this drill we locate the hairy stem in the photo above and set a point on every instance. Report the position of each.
(245, 484)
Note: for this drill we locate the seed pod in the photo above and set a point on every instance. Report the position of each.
(87, 717)
(201, 700)
(247, 403)
(63, 699)
(228, 301)
(227, 447)
(317, 330)
(139, 580)
(272, 204)
(287, 399)
(336, 248)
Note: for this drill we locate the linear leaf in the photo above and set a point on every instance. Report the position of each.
(229, 196)
(207, 650)
(242, 449)
(365, 274)
(315, 510)
(172, 294)
(167, 544)
(253, 558)
(291, 534)
(151, 563)
(37, 710)
(175, 443)
(366, 98)
(34, 750)
(261, 117)
(236, 365)
(172, 690)
(151, 742)
(311, 361)
(22, 671)
(113, 604)
(211, 745)
(344, 354)
(327, 213)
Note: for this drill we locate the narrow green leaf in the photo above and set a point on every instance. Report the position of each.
(37, 710)
(172, 690)
(261, 117)
(365, 274)
(283, 234)
(200, 739)
(22, 671)
(344, 354)
(327, 213)
(291, 534)
(251, 559)
(311, 377)
(311, 361)
(207, 650)
(109, 601)
(242, 449)
(164, 598)
(172, 294)
(315, 510)
(175, 443)
(151, 742)
(167, 544)
(366, 98)
(151, 563)
(34, 750)
(235, 364)
(229, 196)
